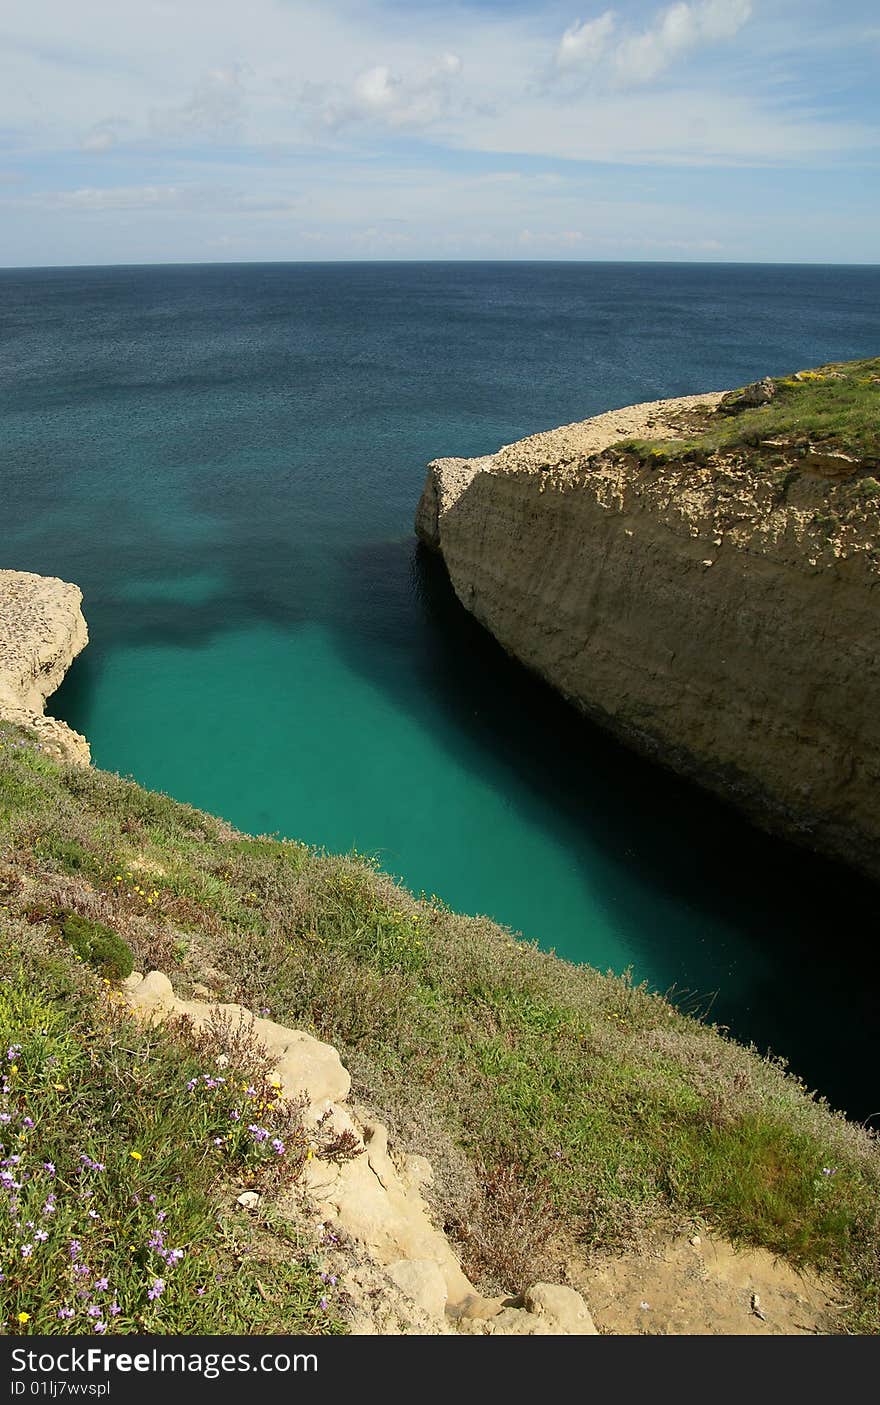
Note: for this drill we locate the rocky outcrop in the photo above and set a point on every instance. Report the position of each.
(41, 632)
(405, 1277)
(700, 609)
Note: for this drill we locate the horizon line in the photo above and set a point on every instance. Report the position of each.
(309, 262)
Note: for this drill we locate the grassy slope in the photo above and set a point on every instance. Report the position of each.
(834, 408)
(548, 1096)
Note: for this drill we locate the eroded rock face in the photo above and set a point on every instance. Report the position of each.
(691, 608)
(42, 630)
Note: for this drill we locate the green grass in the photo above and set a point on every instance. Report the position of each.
(100, 946)
(549, 1097)
(115, 1143)
(835, 407)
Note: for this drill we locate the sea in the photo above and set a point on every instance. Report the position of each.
(227, 460)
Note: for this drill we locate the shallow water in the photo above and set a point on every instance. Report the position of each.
(227, 460)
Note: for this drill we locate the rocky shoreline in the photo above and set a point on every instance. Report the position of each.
(713, 611)
(42, 630)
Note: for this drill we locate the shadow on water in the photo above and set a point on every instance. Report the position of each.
(798, 931)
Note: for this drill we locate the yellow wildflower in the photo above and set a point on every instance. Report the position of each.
(136, 1156)
(23, 1317)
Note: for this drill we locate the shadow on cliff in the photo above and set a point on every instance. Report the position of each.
(789, 933)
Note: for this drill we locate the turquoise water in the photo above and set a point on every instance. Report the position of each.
(227, 460)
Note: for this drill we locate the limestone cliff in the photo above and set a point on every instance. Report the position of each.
(42, 630)
(717, 610)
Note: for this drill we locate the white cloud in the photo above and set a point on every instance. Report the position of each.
(380, 95)
(585, 43)
(103, 136)
(214, 110)
(97, 140)
(674, 33)
(119, 197)
(678, 31)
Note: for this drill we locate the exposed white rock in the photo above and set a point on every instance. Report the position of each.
(42, 630)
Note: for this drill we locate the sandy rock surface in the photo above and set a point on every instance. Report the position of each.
(42, 630)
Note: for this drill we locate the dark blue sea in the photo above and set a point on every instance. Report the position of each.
(227, 460)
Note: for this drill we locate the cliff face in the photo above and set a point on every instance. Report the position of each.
(704, 611)
(41, 632)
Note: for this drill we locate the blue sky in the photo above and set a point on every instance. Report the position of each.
(203, 130)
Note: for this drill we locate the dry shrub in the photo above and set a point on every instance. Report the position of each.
(505, 1241)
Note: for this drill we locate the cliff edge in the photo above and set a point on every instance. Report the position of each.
(42, 630)
(699, 576)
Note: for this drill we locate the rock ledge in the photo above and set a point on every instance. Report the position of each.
(42, 630)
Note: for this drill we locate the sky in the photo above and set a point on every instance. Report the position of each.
(204, 130)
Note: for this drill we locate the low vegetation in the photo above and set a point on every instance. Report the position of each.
(834, 408)
(559, 1106)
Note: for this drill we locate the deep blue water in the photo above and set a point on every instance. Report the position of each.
(228, 459)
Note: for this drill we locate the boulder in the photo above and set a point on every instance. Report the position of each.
(562, 1309)
(423, 1281)
(758, 393)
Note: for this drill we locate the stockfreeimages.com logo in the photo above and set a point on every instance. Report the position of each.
(97, 1361)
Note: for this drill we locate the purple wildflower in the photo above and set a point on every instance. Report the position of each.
(157, 1289)
(278, 1146)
